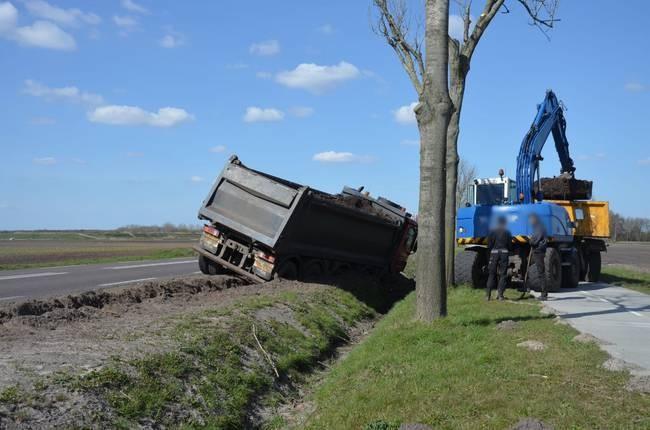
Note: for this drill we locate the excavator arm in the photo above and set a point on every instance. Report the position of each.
(549, 118)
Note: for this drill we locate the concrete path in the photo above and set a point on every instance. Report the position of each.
(619, 317)
(19, 285)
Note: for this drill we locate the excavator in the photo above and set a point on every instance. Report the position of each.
(577, 226)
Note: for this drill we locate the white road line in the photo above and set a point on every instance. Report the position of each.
(635, 313)
(110, 284)
(31, 275)
(611, 303)
(11, 298)
(137, 266)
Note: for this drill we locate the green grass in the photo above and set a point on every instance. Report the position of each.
(154, 254)
(217, 370)
(627, 278)
(462, 373)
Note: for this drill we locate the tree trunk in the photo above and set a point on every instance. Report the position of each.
(450, 204)
(459, 67)
(432, 114)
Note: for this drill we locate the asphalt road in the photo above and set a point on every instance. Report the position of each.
(18, 285)
(617, 316)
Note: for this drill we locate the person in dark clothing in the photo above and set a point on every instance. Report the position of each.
(538, 245)
(499, 245)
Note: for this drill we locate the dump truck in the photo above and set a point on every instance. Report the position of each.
(260, 227)
(577, 227)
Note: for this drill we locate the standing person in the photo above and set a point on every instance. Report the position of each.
(538, 245)
(499, 244)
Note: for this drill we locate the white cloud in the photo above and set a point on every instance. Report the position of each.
(410, 142)
(635, 87)
(301, 111)
(72, 94)
(217, 149)
(132, 6)
(316, 78)
(42, 34)
(78, 160)
(456, 27)
(265, 48)
(237, 66)
(45, 161)
(341, 157)
(43, 120)
(645, 161)
(264, 75)
(172, 40)
(325, 29)
(196, 179)
(134, 115)
(8, 18)
(71, 17)
(126, 23)
(256, 114)
(405, 115)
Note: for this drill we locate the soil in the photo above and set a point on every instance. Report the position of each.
(560, 188)
(73, 335)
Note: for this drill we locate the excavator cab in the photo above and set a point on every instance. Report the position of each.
(491, 191)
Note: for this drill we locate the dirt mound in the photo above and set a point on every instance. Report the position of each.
(561, 188)
(71, 307)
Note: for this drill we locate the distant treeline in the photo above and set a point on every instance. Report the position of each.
(629, 228)
(165, 228)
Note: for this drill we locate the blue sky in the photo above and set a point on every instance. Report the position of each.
(123, 112)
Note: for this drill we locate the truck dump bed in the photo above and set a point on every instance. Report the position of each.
(590, 217)
(263, 213)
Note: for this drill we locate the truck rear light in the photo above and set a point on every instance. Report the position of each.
(211, 230)
(268, 257)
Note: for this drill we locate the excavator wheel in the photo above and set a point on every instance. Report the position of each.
(552, 272)
(571, 273)
(470, 267)
(204, 265)
(594, 264)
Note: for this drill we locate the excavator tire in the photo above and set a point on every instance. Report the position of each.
(594, 264)
(571, 273)
(203, 265)
(470, 267)
(552, 272)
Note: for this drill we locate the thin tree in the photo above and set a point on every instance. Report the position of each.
(439, 81)
(542, 15)
(466, 174)
(429, 78)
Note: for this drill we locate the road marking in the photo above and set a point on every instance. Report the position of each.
(612, 303)
(137, 266)
(636, 313)
(110, 284)
(11, 298)
(31, 275)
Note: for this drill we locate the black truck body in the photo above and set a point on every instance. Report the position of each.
(261, 225)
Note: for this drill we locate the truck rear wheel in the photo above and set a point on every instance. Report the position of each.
(470, 268)
(203, 265)
(571, 273)
(594, 264)
(287, 270)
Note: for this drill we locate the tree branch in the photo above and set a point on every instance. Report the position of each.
(393, 27)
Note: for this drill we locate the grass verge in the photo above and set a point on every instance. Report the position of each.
(627, 278)
(222, 371)
(463, 373)
(159, 254)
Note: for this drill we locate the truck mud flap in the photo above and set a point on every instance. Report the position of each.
(228, 265)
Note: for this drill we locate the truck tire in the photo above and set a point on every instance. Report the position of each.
(593, 267)
(287, 270)
(571, 273)
(203, 265)
(470, 267)
(552, 272)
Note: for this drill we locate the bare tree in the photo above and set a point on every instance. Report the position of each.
(542, 15)
(440, 85)
(429, 78)
(466, 174)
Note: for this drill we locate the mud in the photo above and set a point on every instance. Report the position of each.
(560, 188)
